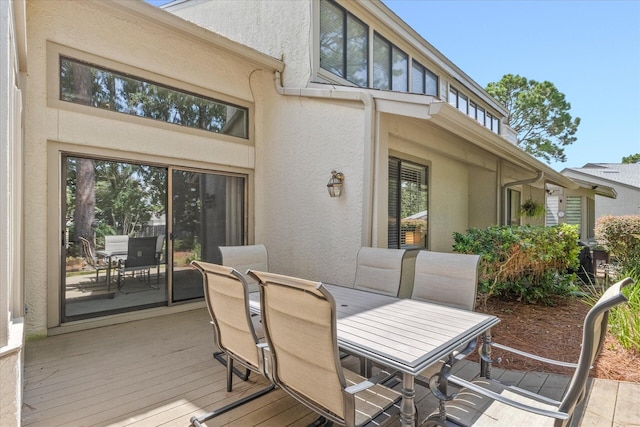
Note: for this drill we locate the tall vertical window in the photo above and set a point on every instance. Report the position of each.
(408, 205)
(423, 80)
(513, 207)
(344, 44)
(390, 66)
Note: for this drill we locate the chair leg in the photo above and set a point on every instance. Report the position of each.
(220, 357)
(197, 421)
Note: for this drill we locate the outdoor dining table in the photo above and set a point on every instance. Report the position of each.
(403, 334)
(109, 255)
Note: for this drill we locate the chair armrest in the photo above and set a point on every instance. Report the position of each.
(533, 356)
(357, 388)
(500, 398)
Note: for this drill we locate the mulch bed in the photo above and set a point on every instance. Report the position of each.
(555, 333)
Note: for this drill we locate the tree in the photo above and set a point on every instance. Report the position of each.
(632, 158)
(539, 114)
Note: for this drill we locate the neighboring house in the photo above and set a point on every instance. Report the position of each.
(267, 98)
(624, 179)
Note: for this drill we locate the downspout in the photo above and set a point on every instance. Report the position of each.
(371, 139)
(505, 187)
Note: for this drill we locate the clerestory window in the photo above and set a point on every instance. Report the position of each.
(98, 87)
(344, 44)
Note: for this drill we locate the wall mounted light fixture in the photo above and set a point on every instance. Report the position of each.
(335, 184)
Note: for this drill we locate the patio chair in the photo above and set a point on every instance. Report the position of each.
(246, 257)
(379, 270)
(116, 243)
(141, 257)
(488, 402)
(227, 299)
(299, 318)
(91, 259)
(160, 256)
(450, 279)
(243, 258)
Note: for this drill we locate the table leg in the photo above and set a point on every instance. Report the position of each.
(109, 273)
(485, 359)
(407, 407)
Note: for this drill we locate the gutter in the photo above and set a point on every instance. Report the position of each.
(372, 141)
(539, 176)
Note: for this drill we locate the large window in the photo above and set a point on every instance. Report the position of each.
(98, 87)
(390, 66)
(344, 44)
(408, 204)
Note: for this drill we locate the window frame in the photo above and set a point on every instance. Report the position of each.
(396, 206)
(346, 15)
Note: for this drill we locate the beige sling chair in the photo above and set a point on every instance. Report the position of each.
(243, 258)
(226, 295)
(449, 279)
(488, 402)
(299, 319)
(378, 270)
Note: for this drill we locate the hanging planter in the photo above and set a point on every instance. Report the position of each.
(532, 209)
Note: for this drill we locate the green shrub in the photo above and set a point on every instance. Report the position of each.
(624, 320)
(525, 262)
(620, 235)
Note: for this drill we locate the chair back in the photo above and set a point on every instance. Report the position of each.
(225, 292)
(593, 333)
(87, 252)
(159, 247)
(243, 258)
(299, 320)
(379, 270)
(446, 278)
(141, 252)
(116, 243)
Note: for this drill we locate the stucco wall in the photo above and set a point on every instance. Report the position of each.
(99, 29)
(11, 322)
(308, 233)
(245, 21)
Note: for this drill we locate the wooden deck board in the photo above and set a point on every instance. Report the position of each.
(160, 372)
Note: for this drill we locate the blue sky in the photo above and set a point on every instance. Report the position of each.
(589, 49)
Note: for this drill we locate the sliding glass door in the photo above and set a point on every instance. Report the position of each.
(130, 230)
(207, 211)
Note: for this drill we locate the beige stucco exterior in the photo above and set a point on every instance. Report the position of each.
(302, 126)
(146, 50)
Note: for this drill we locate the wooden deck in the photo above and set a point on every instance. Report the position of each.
(159, 372)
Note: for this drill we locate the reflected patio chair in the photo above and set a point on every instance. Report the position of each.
(450, 279)
(379, 270)
(226, 295)
(247, 257)
(160, 255)
(98, 264)
(116, 243)
(299, 318)
(488, 402)
(141, 257)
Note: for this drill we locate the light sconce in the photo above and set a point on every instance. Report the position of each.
(335, 184)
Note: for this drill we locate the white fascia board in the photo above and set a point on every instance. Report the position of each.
(386, 15)
(155, 15)
(458, 123)
(599, 189)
